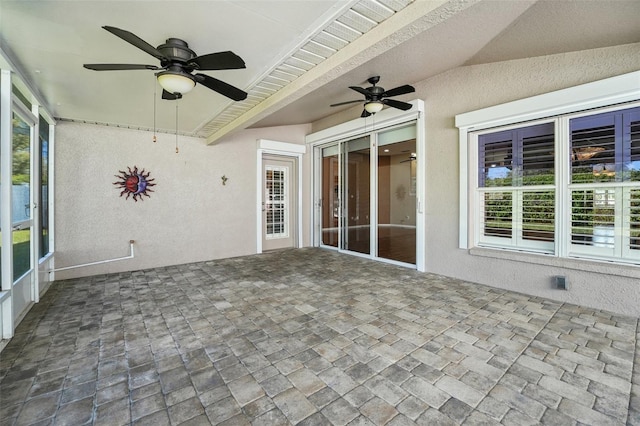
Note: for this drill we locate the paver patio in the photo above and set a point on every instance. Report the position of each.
(313, 337)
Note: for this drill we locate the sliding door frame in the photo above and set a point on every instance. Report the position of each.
(383, 120)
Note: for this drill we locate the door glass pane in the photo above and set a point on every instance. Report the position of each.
(277, 220)
(21, 192)
(44, 187)
(21, 245)
(397, 163)
(330, 196)
(357, 195)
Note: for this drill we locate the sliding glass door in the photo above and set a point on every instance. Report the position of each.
(367, 188)
(346, 200)
(397, 167)
(330, 196)
(356, 190)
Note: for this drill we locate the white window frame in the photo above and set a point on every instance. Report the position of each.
(600, 94)
(619, 253)
(516, 242)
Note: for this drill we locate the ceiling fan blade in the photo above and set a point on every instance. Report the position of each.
(120, 67)
(345, 103)
(136, 41)
(365, 92)
(397, 104)
(170, 96)
(221, 87)
(402, 90)
(365, 113)
(218, 61)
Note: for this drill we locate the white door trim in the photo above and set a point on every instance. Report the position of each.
(386, 118)
(284, 149)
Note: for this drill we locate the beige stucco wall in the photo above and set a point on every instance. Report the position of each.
(189, 217)
(469, 88)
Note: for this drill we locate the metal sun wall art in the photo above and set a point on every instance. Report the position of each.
(134, 183)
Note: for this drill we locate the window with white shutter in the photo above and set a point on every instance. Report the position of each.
(604, 184)
(528, 199)
(516, 186)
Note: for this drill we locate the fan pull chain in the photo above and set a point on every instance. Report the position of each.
(155, 88)
(176, 126)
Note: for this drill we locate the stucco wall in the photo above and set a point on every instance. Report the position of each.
(469, 88)
(189, 217)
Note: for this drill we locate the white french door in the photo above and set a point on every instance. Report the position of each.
(279, 195)
(279, 203)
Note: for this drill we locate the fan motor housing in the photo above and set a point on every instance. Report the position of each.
(375, 92)
(176, 50)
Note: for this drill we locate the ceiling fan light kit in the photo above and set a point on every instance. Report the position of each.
(373, 107)
(375, 97)
(177, 63)
(176, 82)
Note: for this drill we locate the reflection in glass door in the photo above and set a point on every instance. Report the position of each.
(356, 163)
(346, 196)
(397, 166)
(330, 207)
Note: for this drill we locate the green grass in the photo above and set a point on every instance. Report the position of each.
(21, 251)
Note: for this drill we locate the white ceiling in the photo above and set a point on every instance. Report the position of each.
(48, 41)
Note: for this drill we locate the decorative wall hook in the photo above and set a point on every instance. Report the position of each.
(224, 179)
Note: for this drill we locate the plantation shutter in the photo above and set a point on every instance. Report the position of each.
(516, 187)
(605, 184)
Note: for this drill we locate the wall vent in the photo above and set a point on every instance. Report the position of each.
(560, 282)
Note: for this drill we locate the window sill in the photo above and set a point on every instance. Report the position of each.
(587, 265)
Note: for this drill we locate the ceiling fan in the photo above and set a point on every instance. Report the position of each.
(412, 157)
(177, 63)
(376, 97)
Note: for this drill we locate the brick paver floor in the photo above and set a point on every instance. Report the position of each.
(312, 337)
